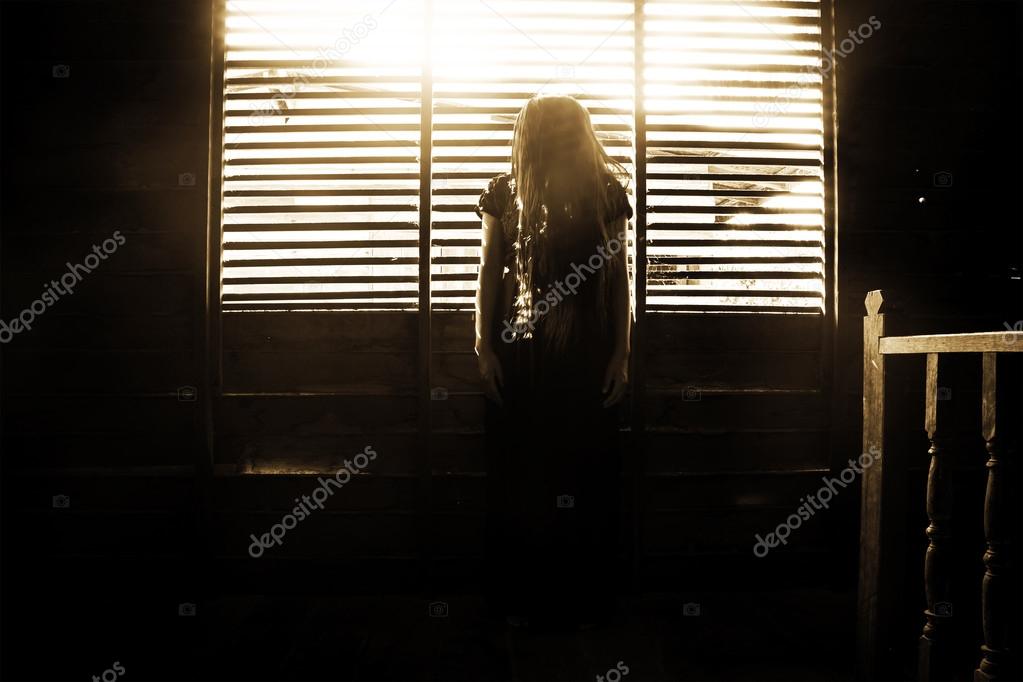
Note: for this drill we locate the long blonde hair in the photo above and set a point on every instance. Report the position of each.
(557, 160)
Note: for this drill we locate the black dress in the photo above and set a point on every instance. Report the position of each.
(553, 451)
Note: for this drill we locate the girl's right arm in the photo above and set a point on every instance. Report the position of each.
(487, 291)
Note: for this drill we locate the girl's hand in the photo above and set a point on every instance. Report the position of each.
(490, 373)
(616, 379)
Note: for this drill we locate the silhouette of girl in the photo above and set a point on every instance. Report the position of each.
(553, 319)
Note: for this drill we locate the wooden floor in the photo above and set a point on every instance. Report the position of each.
(785, 635)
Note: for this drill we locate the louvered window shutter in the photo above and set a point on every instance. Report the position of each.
(321, 156)
(322, 141)
(734, 156)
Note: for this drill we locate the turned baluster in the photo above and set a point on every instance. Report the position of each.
(995, 597)
(934, 641)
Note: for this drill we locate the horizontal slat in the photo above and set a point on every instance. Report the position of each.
(408, 191)
(711, 260)
(319, 177)
(745, 274)
(322, 208)
(340, 279)
(317, 227)
(687, 291)
(319, 160)
(353, 244)
(339, 261)
(300, 305)
(736, 160)
(321, 295)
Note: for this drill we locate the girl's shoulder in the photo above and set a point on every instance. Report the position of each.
(619, 198)
(498, 195)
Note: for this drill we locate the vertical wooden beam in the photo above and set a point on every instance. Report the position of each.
(637, 441)
(209, 337)
(213, 247)
(881, 509)
(935, 641)
(997, 599)
(425, 459)
(828, 334)
(829, 93)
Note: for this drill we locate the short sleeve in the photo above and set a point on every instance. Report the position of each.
(619, 201)
(494, 198)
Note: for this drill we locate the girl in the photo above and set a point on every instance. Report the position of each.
(553, 319)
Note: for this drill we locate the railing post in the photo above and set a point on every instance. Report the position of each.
(881, 510)
(997, 599)
(934, 645)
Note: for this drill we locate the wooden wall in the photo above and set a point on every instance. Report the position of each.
(91, 405)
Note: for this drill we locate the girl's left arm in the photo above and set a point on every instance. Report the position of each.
(616, 378)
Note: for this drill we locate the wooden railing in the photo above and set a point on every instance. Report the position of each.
(883, 513)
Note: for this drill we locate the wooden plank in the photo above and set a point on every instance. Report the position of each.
(981, 342)
(99, 415)
(103, 293)
(318, 371)
(110, 452)
(31, 253)
(458, 414)
(275, 494)
(341, 331)
(124, 165)
(699, 411)
(62, 532)
(118, 492)
(727, 452)
(882, 512)
(294, 454)
(317, 415)
(121, 30)
(144, 332)
(681, 369)
(728, 530)
(322, 536)
(782, 490)
(99, 371)
(99, 211)
(740, 333)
